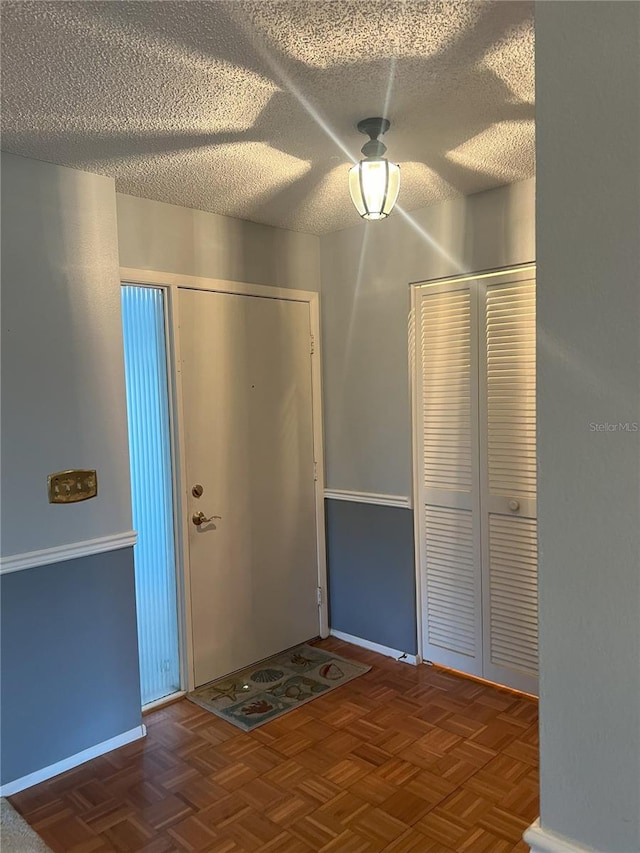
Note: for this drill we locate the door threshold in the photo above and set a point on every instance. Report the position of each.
(164, 700)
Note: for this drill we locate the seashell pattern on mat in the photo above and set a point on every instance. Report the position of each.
(331, 671)
(265, 676)
(253, 696)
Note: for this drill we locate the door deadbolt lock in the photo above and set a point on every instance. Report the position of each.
(199, 518)
(197, 491)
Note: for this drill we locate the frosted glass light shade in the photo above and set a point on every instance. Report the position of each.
(374, 185)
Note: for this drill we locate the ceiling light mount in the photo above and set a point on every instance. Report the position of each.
(374, 183)
(373, 128)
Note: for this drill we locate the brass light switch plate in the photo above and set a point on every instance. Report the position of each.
(66, 487)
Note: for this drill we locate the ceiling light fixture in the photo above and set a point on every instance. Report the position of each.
(374, 183)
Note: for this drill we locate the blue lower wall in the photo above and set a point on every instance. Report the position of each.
(69, 659)
(372, 589)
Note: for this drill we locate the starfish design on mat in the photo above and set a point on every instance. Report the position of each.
(229, 690)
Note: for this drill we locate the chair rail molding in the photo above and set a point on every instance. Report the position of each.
(368, 498)
(60, 553)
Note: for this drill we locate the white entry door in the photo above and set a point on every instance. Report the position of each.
(245, 365)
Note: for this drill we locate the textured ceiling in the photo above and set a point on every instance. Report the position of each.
(249, 108)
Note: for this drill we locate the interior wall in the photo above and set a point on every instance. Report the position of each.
(63, 396)
(365, 273)
(157, 236)
(588, 214)
(69, 642)
(69, 657)
(372, 588)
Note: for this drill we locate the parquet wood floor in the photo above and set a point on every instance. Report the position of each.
(403, 759)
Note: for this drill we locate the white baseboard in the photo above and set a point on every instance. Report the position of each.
(403, 657)
(73, 761)
(60, 553)
(542, 841)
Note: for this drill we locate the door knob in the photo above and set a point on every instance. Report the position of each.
(199, 518)
(514, 505)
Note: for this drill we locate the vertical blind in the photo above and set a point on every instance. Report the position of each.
(151, 487)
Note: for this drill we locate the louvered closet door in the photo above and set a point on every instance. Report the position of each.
(449, 530)
(508, 481)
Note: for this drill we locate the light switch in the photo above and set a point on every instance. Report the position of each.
(67, 487)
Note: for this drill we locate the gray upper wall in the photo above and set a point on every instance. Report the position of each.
(588, 152)
(63, 393)
(164, 237)
(365, 274)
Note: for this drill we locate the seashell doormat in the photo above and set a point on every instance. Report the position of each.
(267, 690)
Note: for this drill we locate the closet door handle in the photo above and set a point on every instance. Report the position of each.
(514, 505)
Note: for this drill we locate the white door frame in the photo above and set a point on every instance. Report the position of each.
(171, 283)
(416, 423)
